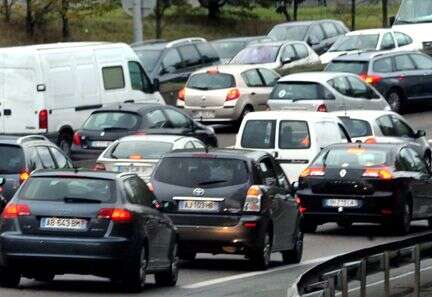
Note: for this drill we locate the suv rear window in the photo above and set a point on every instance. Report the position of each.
(12, 160)
(202, 172)
(294, 135)
(61, 189)
(140, 150)
(210, 81)
(259, 134)
(351, 158)
(356, 67)
(357, 128)
(300, 91)
(112, 120)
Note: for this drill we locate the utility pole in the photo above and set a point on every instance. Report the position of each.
(137, 21)
(353, 15)
(385, 12)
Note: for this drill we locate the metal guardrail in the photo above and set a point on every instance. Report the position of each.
(333, 276)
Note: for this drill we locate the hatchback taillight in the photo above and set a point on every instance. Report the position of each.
(253, 199)
(23, 176)
(322, 108)
(76, 138)
(383, 173)
(233, 94)
(99, 167)
(13, 211)
(118, 215)
(371, 79)
(313, 171)
(181, 94)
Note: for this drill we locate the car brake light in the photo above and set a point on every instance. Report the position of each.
(99, 167)
(12, 211)
(135, 157)
(299, 203)
(23, 176)
(253, 199)
(313, 171)
(250, 225)
(76, 139)
(117, 215)
(233, 94)
(378, 172)
(181, 94)
(322, 108)
(371, 79)
(43, 119)
(371, 140)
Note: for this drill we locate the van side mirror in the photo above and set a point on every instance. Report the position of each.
(392, 19)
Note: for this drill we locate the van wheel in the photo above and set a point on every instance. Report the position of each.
(9, 278)
(65, 143)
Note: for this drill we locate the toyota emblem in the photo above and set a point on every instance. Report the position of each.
(198, 192)
(342, 173)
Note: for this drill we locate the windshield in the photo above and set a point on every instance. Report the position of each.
(299, 91)
(356, 42)
(356, 67)
(12, 160)
(140, 150)
(148, 59)
(295, 32)
(351, 158)
(61, 188)
(211, 81)
(357, 128)
(228, 49)
(257, 55)
(112, 120)
(414, 11)
(202, 172)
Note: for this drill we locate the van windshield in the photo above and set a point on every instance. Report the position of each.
(414, 11)
(112, 120)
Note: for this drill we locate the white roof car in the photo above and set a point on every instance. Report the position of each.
(293, 137)
(383, 127)
(140, 153)
(370, 40)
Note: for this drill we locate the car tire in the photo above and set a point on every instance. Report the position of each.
(169, 277)
(245, 111)
(403, 220)
(187, 256)
(395, 100)
(45, 277)
(9, 278)
(134, 272)
(261, 256)
(295, 255)
(309, 227)
(345, 224)
(65, 143)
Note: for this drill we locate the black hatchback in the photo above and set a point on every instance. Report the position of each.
(231, 202)
(376, 183)
(86, 223)
(106, 125)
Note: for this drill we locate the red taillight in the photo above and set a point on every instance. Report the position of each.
(233, 94)
(117, 215)
(383, 173)
(12, 211)
(371, 140)
(181, 94)
(299, 203)
(386, 211)
(76, 138)
(23, 176)
(99, 167)
(322, 108)
(43, 119)
(250, 225)
(313, 171)
(371, 79)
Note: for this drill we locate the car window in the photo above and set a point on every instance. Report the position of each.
(359, 89)
(148, 58)
(137, 192)
(357, 67)
(211, 81)
(290, 32)
(403, 63)
(344, 134)
(316, 34)
(34, 161)
(171, 61)
(112, 120)
(401, 129)
(385, 124)
(189, 145)
(60, 159)
(270, 78)
(156, 119)
(267, 171)
(139, 150)
(341, 85)
(282, 179)
(288, 52)
(259, 134)
(300, 91)
(12, 160)
(190, 55)
(113, 78)
(384, 65)
(422, 61)
(330, 29)
(139, 79)
(177, 119)
(198, 144)
(402, 39)
(257, 54)
(388, 42)
(208, 53)
(252, 78)
(356, 127)
(352, 157)
(405, 161)
(419, 163)
(294, 135)
(45, 157)
(302, 51)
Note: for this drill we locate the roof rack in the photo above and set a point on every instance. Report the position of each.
(31, 138)
(148, 42)
(185, 41)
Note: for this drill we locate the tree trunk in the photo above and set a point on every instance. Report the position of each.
(30, 24)
(213, 10)
(385, 12)
(158, 19)
(353, 15)
(295, 5)
(65, 20)
(6, 10)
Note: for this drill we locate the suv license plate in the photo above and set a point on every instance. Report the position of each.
(341, 203)
(196, 205)
(63, 224)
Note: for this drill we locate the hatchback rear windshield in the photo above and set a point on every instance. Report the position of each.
(140, 150)
(202, 172)
(356, 42)
(12, 159)
(294, 135)
(295, 32)
(357, 128)
(68, 189)
(300, 91)
(259, 54)
(259, 134)
(356, 67)
(228, 49)
(112, 120)
(351, 158)
(211, 81)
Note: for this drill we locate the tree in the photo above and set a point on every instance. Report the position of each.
(213, 7)
(36, 13)
(6, 9)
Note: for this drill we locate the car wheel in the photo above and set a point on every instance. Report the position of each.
(395, 101)
(245, 111)
(169, 278)
(45, 277)
(294, 256)
(261, 257)
(428, 160)
(403, 221)
(187, 256)
(9, 278)
(65, 143)
(345, 224)
(309, 227)
(134, 272)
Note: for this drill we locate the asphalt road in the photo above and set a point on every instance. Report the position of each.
(230, 275)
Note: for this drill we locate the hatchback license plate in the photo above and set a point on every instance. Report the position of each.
(100, 144)
(204, 114)
(63, 224)
(198, 205)
(341, 203)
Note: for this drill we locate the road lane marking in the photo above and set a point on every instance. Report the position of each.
(251, 274)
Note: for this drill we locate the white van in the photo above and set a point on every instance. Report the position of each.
(293, 137)
(51, 89)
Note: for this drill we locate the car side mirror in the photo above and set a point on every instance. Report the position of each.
(2, 181)
(420, 133)
(286, 60)
(392, 19)
(294, 187)
(156, 84)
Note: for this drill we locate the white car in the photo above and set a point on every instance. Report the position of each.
(384, 127)
(294, 138)
(370, 40)
(279, 55)
(140, 153)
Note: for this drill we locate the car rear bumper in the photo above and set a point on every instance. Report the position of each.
(80, 154)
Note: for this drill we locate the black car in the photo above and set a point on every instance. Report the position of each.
(388, 184)
(231, 202)
(169, 64)
(320, 35)
(106, 125)
(97, 223)
(20, 155)
(401, 77)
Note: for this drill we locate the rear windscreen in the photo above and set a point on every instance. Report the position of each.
(12, 159)
(259, 134)
(211, 81)
(294, 135)
(357, 128)
(299, 91)
(62, 188)
(228, 49)
(351, 158)
(140, 150)
(112, 120)
(202, 172)
(356, 67)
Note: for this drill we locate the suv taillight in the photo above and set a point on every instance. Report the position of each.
(118, 215)
(371, 79)
(13, 211)
(253, 200)
(76, 138)
(43, 119)
(232, 94)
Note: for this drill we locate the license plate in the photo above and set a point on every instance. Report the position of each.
(204, 114)
(135, 169)
(100, 144)
(63, 224)
(197, 205)
(341, 203)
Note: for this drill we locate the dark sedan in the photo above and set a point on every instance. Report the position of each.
(86, 223)
(231, 202)
(106, 125)
(376, 183)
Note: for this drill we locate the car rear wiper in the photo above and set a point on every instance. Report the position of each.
(80, 200)
(210, 182)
